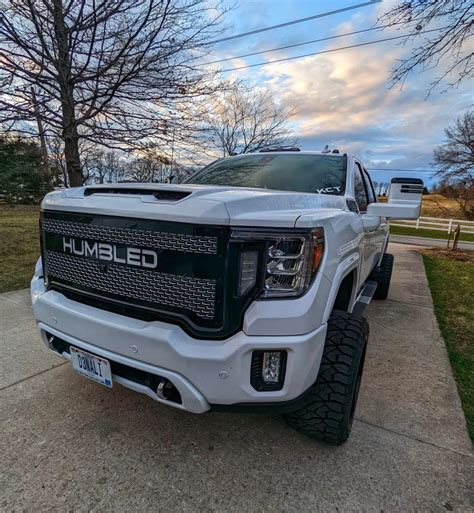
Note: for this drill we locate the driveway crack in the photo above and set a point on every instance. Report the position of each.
(32, 376)
(28, 307)
(409, 303)
(411, 437)
(372, 319)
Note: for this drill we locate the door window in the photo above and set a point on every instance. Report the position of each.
(359, 189)
(369, 187)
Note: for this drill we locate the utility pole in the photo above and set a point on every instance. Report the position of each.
(44, 148)
(172, 154)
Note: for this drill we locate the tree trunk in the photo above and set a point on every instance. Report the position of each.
(73, 161)
(70, 133)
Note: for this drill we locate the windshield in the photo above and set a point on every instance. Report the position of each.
(321, 174)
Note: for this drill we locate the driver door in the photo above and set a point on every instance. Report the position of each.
(374, 231)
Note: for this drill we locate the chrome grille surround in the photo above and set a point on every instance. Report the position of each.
(152, 239)
(132, 283)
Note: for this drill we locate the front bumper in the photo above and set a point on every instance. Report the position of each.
(205, 372)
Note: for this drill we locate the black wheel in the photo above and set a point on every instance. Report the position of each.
(329, 406)
(382, 275)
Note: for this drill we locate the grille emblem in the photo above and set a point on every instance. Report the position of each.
(111, 253)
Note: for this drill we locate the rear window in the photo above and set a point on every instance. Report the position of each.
(320, 174)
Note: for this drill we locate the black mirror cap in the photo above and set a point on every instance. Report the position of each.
(414, 181)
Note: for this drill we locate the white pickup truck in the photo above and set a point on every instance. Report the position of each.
(240, 290)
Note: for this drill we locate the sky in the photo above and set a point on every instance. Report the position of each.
(343, 98)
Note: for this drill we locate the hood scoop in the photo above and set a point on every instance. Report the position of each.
(159, 194)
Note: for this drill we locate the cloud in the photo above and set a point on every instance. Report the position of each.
(343, 98)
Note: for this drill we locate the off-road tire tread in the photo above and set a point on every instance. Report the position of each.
(326, 413)
(382, 275)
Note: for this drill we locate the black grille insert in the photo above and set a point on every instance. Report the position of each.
(190, 279)
(133, 283)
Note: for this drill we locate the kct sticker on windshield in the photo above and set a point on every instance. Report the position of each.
(329, 190)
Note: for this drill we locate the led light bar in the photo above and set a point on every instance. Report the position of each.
(248, 272)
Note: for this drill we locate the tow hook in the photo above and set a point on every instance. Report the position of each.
(167, 391)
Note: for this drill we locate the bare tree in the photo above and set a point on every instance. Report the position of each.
(105, 166)
(245, 120)
(455, 158)
(147, 169)
(114, 168)
(462, 193)
(56, 159)
(381, 188)
(455, 163)
(112, 73)
(90, 155)
(447, 50)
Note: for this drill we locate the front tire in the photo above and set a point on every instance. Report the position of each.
(328, 409)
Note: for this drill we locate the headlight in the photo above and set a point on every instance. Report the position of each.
(39, 268)
(291, 261)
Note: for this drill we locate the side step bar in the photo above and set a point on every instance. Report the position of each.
(364, 298)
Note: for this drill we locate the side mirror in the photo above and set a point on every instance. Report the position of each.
(404, 200)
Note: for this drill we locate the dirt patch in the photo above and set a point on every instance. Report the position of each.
(458, 255)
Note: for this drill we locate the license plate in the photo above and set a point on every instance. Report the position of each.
(91, 366)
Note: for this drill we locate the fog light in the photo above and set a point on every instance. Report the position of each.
(271, 366)
(268, 370)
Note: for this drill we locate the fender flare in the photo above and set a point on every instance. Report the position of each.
(348, 265)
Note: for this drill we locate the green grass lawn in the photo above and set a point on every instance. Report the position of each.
(451, 280)
(19, 245)
(432, 234)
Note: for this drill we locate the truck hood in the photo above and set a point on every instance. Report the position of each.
(219, 205)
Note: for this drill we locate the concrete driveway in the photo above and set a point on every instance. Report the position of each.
(69, 444)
